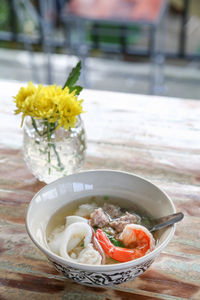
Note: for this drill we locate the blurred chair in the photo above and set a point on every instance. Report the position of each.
(33, 23)
(25, 16)
(103, 17)
(42, 14)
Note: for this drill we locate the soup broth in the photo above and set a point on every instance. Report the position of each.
(58, 220)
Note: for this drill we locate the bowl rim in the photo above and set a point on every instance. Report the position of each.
(101, 268)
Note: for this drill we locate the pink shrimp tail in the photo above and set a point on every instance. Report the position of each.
(117, 253)
(104, 241)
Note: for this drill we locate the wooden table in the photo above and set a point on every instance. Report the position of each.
(155, 137)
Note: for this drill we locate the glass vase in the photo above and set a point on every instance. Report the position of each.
(51, 158)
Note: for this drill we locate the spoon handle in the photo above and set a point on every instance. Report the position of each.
(168, 220)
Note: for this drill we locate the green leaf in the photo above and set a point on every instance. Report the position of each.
(113, 240)
(73, 77)
(78, 89)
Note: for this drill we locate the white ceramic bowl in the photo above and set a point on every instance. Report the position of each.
(100, 182)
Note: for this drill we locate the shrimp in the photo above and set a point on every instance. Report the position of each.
(137, 237)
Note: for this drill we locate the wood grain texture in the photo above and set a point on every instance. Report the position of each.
(154, 137)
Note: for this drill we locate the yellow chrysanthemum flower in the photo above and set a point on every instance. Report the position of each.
(23, 94)
(69, 107)
(51, 103)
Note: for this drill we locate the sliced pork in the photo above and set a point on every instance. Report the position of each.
(120, 223)
(99, 218)
(112, 210)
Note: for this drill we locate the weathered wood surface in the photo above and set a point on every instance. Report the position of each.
(155, 137)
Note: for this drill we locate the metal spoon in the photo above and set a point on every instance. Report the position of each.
(166, 221)
(153, 224)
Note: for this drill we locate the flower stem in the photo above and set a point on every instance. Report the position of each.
(57, 156)
(49, 144)
(35, 126)
(52, 128)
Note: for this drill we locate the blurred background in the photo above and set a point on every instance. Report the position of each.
(135, 46)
